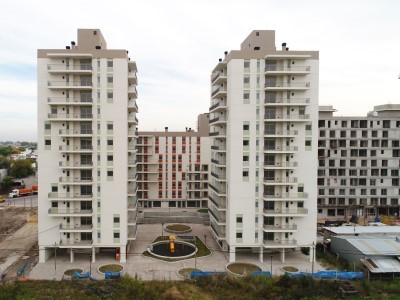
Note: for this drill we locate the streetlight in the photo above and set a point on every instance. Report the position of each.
(312, 260)
(55, 260)
(162, 230)
(271, 263)
(205, 240)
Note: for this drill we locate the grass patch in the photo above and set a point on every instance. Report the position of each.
(111, 268)
(203, 210)
(243, 268)
(178, 227)
(185, 272)
(70, 272)
(290, 269)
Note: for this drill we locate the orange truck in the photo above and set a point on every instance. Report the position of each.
(23, 192)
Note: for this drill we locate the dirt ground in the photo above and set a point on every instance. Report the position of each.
(18, 240)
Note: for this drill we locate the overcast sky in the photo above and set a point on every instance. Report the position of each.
(177, 43)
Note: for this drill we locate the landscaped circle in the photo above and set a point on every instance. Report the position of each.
(111, 268)
(180, 250)
(242, 269)
(185, 272)
(70, 272)
(178, 228)
(289, 269)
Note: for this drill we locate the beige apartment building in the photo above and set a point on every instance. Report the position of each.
(173, 167)
(86, 148)
(359, 159)
(264, 124)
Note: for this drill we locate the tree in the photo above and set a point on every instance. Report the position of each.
(21, 168)
(6, 150)
(7, 183)
(4, 162)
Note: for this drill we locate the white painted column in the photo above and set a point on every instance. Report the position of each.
(93, 255)
(72, 255)
(283, 255)
(232, 253)
(122, 254)
(261, 256)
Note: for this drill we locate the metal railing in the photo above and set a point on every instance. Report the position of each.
(70, 83)
(286, 117)
(64, 67)
(280, 180)
(287, 84)
(281, 148)
(287, 196)
(75, 131)
(69, 211)
(273, 100)
(69, 100)
(280, 227)
(287, 69)
(286, 211)
(281, 164)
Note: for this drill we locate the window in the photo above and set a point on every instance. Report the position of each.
(47, 126)
(239, 235)
(47, 142)
(239, 219)
(246, 64)
(110, 79)
(110, 173)
(116, 219)
(110, 158)
(116, 235)
(110, 142)
(246, 142)
(110, 126)
(246, 127)
(245, 173)
(110, 64)
(245, 158)
(110, 95)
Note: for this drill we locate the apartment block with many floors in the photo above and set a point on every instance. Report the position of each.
(359, 159)
(173, 167)
(264, 124)
(87, 148)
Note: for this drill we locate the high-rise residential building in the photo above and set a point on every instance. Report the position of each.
(87, 148)
(359, 159)
(173, 167)
(264, 124)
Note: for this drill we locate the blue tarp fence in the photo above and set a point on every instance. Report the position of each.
(112, 275)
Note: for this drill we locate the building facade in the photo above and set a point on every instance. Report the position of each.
(87, 148)
(264, 122)
(359, 159)
(173, 167)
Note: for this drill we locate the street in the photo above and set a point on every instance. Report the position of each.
(27, 201)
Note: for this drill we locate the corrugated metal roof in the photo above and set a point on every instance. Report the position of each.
(364, 229)
(383, 246)
(382, 265)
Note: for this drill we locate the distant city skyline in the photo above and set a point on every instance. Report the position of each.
(176, 45)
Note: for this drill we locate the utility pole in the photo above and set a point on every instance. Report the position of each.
(312, 261)
(55, 261)
(271, 263)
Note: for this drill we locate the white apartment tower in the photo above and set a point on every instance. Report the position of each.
(87, 148)
(359, 159)
(264, 124)
(173, 167)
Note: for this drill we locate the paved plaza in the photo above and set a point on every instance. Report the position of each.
(153, 269)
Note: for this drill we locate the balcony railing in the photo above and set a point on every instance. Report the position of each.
(217, 90)
(286, 101)
(280, 133)
(279, 242)
(75, 131)
(220, 147)
(80, 244)
(280, 180)
(69, 100)
(295, 211)
(218, 201)
(76, 148)
(218, 133)
(64, 67)
(219, 216)
(218, 189)
(219, 161)
(75, 179)
(281, 148)
(286, 117)
(75, 164)
(218, 175)
(287, 196)
(70, 196)
(69, 211)
(70, 116)
(287, 84)
(285, 164)
(69, 84)
(280, 227)
(274, 68)
(218, 231)
(70, 227)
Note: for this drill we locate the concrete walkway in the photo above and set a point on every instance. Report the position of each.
(153, 269)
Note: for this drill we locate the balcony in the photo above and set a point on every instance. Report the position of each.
(76, 180)
(218, 78)
(132, 78)
(280, 165)
(69, 212)
(218, 231)
(283, 70)
(132, 106)
(75, 132)
(283, 227)
(286, 102)
(220, 190)
(76, 228)
(283, 180)
(219, 202)
(286, 212)
(219, 161)
(132, 230)
(221, 148)
(220, 106)
(70, 85)
(132, 203)
(69, 197)
(280, 133)
(70, 101)
(132, 162)
(76, 149)
(218, 92)
(132, 119)
(132, 92)
(287, 118)
(219, 216)
(217, 120)
(220, 133)
(132, 66)
(280, 243)
(279, 86)
(281, 149)
(84, 68)
(219, 175)
(286, 197)
(70, 117)
(76, 244)
(75, 165)
(132, 216)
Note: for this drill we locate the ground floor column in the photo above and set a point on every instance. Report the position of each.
(93, 255)
(122, 254)
(72, 255)
(232, 254)
(42, 254)
(261, 255)
(283, 255)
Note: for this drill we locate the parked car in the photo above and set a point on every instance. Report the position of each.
(2, 199)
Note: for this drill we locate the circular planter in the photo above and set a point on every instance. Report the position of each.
(70, 272)
(290, 269)
(185, 272)
(242, 269)
(178, 228)
(111, 268)
(163, 247)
